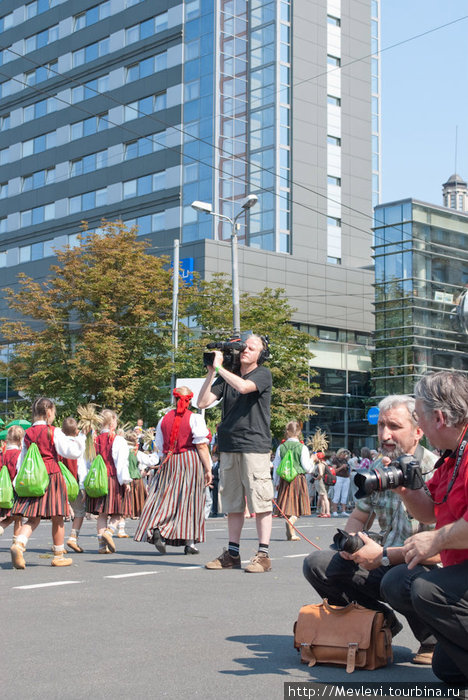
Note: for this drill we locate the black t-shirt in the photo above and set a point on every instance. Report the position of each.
(245, 424)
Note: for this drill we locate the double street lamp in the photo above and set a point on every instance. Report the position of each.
(207, 208)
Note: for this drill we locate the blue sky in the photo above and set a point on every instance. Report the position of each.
(424, 97)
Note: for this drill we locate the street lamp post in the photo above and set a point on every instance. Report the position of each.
(207, 208)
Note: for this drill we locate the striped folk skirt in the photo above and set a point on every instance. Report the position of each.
(53, 502)
(293, 497)
(176, 502)
(117, 502)
(138, 497)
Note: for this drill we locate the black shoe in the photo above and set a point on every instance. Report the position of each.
(191, 549)
(394, 624)
(159, 542)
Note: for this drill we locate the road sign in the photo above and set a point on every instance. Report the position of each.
(373, 415)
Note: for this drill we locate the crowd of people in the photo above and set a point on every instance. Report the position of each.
(414, 563)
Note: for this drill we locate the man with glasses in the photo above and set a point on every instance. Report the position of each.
(439, 597)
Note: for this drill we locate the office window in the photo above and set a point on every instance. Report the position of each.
(192, 9)
(146, 29)
(6, 22)
(3, 190)
(333, 61)
(5, 122)
(39, 109)
(4, 156)
(25, 253)
(91, 16)
(334, 180)
(89, 163)
(91, 52)
(3, 225)
(336, 101)
(192, 90)
(5, 88)
(333, 21)
(334, 141)
(89, 126)
(333, 221)
(37, 41)
(147, 67)
(158, 221)
(89, 200)
(146, 105)
(38, 179)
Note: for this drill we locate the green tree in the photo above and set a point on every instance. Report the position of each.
(267, 313)
(98, 328)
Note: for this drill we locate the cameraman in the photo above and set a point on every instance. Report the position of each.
(440, 596)
(343, 577)
(244, 442)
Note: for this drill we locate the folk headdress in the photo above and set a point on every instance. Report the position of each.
(184, 395)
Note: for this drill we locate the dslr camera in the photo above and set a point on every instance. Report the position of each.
(344, 542)
(404, 471)
(231, 350)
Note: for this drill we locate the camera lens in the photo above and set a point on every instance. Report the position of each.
(344, 542)
(378, 479)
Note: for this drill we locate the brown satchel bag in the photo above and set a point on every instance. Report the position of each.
(350, 636)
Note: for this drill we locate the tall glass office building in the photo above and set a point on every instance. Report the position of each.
(421, 275)
(131, 110)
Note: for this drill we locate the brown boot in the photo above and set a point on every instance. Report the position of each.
(17, 550)
(294, 537)
(60, 559)
(107, 537)
(72, 542)
(260, 563)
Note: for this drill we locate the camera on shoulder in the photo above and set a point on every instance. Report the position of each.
(404, 471)
(231, 350)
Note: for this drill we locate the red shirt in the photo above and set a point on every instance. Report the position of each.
(43, 436)
(456, 505)
(9, 458)
(104, 443)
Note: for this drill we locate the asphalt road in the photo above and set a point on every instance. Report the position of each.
(138, 624)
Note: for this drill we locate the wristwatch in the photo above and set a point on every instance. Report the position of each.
(385, 560)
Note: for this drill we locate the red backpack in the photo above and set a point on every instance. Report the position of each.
(329, 475)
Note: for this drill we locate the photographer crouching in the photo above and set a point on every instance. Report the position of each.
(244, 442)
(440, 597)
(357, 571)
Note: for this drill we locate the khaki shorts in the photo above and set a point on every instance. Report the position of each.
(245, 475)
(79, 505)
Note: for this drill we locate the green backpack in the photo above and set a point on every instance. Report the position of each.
(71, 483)
(32, 478)
(6, 489)
(96, 482)
(286, 468)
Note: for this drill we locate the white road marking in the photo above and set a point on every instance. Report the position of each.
(293, 556)
(45, 585)
(190, 568)
(138, 573)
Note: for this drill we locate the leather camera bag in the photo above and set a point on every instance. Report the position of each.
(350, 636)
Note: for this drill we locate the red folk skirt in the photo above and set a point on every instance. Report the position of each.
(53, 502)
(293, 497)
(117, 502)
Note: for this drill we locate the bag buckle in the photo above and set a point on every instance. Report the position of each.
(351, 657)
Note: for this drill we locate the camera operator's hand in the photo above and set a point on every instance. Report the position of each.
(369, 556)
(218, 359)
(420, 547)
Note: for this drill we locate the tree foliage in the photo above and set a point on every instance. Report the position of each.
(98, 328)
(267, 313)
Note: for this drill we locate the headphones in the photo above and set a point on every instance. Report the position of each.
(265, 353)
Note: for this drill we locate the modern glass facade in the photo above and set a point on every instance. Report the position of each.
(421, 271)
(133, 109)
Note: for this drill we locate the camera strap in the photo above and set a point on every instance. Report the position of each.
(460, 451)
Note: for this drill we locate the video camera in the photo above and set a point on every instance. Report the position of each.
(231, 350)
(404, 471)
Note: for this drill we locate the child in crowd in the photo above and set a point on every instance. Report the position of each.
(53, 504)
(79, 470)
(9, 457)
(117, 503)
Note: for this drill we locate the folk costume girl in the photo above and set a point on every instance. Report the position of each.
(139, 463)
(293, 497)
(174, 512)
(117, 503)
(53, 504)
(9, 457)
